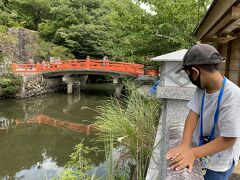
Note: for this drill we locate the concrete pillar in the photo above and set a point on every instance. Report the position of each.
(69, 87)
(70, 80)
(174, 90)
(118, 90)
(115, 80)
(70, 100)
(77, 89)
(83, 80)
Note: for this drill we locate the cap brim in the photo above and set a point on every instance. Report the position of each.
(179, 69)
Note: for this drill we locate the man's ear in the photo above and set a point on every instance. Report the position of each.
(195, 72)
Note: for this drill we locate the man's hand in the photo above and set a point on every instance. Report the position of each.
(185, 159)
(180, 151)
(175, 152)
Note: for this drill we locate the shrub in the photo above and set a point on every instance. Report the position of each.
(131, 123)
(9, 85)
(79, 166)
(42, 50)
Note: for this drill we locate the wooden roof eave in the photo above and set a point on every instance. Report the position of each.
(224, 30)
(212, 17)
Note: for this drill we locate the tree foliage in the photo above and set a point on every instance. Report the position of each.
(9, 85)
(122, 30)
(32, 12)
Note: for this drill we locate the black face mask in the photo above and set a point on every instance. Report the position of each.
(196, 82)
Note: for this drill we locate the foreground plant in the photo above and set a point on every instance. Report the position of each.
(79, 166)
(10, 85)
(130, 123)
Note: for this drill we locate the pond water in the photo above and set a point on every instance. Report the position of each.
(38, 134)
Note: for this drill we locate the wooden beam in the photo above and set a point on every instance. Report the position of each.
(239, 78)
(218, 40)
(229, 18)
(230, 28)
(235, 16)
(235, 12)
(229, 54)
(221, 7)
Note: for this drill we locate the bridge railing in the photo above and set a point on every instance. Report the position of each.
(103, 65)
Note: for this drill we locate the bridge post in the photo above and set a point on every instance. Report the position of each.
(115, 80)
(69, 87)
(118, 90)
(81, 81)
(69, 81)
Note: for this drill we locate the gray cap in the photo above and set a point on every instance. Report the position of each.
(200, 54)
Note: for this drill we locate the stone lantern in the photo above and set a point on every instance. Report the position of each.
(174, 90)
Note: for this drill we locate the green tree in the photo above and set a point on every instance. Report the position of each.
(122, 30)
(175, 21)
(128, 29)
(136, 33)
(65, 13)
(32, 12)
(82, 39)
(43, 50)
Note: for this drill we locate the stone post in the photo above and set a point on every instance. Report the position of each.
(69, 87)
(115, 80)
(175, 90)
(70, 80)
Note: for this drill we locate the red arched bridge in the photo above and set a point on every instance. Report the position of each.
(73, 70)
(51, 69)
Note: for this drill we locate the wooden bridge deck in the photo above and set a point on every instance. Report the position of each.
(101, 65)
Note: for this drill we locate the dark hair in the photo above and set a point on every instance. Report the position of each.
(210, 67)
(206, 67)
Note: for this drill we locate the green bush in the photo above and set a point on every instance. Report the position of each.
(131, 123)
(43, 49)
(9, 85)
(79, 166)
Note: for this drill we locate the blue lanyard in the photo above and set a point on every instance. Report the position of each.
(216, 115)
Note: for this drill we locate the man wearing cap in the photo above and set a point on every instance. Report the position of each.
(214, 118)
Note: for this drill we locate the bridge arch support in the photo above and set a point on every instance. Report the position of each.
(70, 80)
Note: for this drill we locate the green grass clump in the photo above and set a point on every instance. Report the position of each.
(130, 122)
(9, 85)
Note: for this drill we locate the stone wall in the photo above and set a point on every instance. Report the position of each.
(35, 85)
(17, 44)
(26, 42)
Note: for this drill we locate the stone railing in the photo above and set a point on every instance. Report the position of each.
(175, 134)
(174, 91)
(159, 167)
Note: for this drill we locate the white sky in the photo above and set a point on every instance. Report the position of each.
(146, 7)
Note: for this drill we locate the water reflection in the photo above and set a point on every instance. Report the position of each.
(43, 119)
(4, 123)
(41, 170)
(24, 146)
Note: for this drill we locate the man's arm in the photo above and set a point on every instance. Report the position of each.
(190, 125)
(187, 158)
(217, 145)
